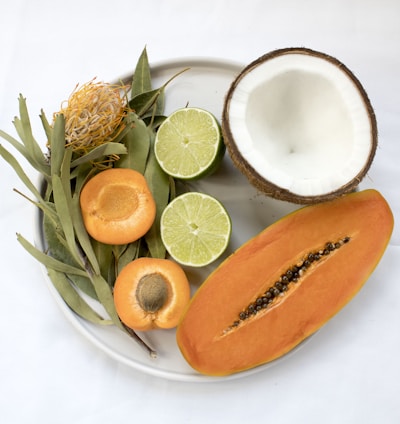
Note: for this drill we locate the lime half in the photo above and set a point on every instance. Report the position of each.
(189, 144)
(195, 229)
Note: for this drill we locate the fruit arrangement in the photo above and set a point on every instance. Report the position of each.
(104, 196)
(122, 227)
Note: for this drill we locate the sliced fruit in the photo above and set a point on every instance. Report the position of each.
(151, 293)
(284, 284)
(117, 206)
(195, 229)
(188, 144)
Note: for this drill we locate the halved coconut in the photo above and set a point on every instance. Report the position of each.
(300, 126)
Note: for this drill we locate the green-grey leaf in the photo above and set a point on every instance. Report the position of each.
(24, 128)
(99, 152)
(48, 261)
(143, 102)
(20, 172)
(72, 298)
(63, 205)
(141, 81)
(57, 145)
(82, 235)
(65, 174)
(130, 253)
(104, 293)
(58, 249)
(43, 167)
(17, 145)
(46, 126)
(160, 103)
(82, 172)
(154, 121)
(105, 259)
(20, 131)
(159, 185)
(137, 142)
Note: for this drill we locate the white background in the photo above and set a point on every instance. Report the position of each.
(349, 372)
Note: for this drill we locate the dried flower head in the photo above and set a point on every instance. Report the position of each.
(94, 115)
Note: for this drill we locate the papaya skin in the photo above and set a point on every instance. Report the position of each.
(205, 335)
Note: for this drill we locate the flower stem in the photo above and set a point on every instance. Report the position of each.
(133, 334)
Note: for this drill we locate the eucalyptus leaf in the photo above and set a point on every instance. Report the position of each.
(106, 149)
(105, 259)
(24, 129)
(141, 81)
(65, 173)
(58, 249)
(62, 204)
(159, 185)
(124, 257)
(54, 235)
(160, 104)
(48, 129)
(20, 172)
(104, 293)
(43, 167)
(67, 205)
(81, 173)
(82, 235)
(20, 131)
(73, 299)
(49, 261)
(57, 144)
(143, 102)
(44, 206)
(154, 122)
(137, 143)
(18, 146)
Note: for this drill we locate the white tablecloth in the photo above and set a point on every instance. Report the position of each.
(349, 372)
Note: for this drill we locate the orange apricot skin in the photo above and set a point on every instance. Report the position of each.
(127, 305)
(117, 206)
(365, 217)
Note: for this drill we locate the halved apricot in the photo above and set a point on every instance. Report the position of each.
(117, 206)
(151, 293)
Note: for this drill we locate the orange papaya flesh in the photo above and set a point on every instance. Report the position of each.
(217, 338)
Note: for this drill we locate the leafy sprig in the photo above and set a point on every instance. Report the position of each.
(81, 269)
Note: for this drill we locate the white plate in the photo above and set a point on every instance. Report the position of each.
(204, 85)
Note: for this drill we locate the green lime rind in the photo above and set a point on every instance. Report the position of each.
(195, 229)
(189, 144)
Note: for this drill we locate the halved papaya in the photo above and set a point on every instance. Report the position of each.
(284, 284)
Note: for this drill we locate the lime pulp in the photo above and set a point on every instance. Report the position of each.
(189, 144)
(195, 229)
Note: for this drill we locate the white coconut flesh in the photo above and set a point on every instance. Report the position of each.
(302, 124)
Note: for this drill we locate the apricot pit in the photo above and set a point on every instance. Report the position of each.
(151, 293)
